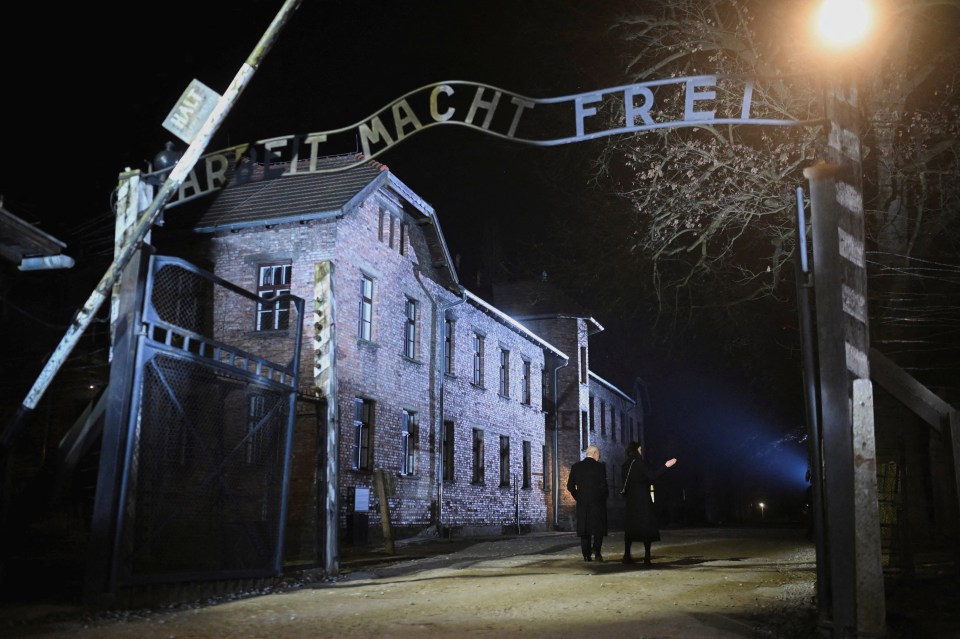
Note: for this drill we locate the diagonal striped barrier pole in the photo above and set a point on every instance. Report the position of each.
(139, 231)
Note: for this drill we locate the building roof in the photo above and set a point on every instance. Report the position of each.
(513, 324)
(256, 196)
(613, 388)
(21, 241)
(537, 299)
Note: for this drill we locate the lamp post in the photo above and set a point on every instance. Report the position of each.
(854, 576)
(844, 23)
(762, 505)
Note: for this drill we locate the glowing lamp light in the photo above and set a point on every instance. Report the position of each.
(843, 23)
(762, 506)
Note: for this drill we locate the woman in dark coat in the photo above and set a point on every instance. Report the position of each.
(640, 520)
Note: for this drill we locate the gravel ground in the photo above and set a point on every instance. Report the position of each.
(704, 583)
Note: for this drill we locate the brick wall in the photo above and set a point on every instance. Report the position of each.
(471, 406)
(235, 257)
(377, 370)
(380, 239)
(569, 335)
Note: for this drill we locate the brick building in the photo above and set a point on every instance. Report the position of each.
(590, 409)
(405, 375)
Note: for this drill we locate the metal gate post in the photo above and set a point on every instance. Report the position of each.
(100, 572)
(834, 400)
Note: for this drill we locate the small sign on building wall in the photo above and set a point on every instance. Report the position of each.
(361, 500)
(191, 111)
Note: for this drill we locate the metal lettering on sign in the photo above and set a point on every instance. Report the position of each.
(658, 104)
(192, 110)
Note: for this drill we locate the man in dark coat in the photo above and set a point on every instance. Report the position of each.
(588, 485)
(640, 519)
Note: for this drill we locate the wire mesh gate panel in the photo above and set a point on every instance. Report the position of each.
(206, 471)
(889, 499)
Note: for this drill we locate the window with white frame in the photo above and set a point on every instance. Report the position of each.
(478, 359)
(409, 436)
(410, 328)
(504, 372)
(365, 323)
(362, 453)
(273, 280)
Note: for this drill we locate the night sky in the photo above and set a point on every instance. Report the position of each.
(85, 96)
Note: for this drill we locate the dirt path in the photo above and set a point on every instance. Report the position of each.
(703, 584)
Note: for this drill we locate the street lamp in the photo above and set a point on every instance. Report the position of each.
(843, 23)
(762, 506)
(852, 561)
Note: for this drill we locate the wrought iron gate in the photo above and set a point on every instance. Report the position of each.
(204, 488)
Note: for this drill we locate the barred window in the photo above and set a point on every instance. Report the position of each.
(478, 470)
(525, 382)
(448, 457)
(504, 460)
(584, 435)
(448, 347)
(504, 372)
(546, 464)
(527, 463)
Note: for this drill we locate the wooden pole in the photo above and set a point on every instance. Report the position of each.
(381, 488)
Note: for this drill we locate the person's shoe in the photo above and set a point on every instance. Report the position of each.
(627, 559)
(647, 562)
(587, 558)
(599, 557)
